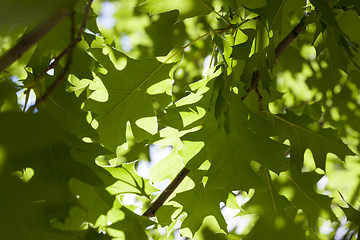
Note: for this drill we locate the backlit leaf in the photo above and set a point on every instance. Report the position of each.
(128, 97)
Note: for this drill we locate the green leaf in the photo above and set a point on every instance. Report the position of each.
(347, 22)
(351, 213)
(271, 14)
(94, 200)
(200, 202)
(327, 15)
(166, 33)
(130, 87)
(27, 220)
(164, 215)
(126, 224)
(352, 4)
(171, 165)
(50, 156)
(129, 181)
(257, 61)
(337, 54)
(82, 63)
(66, 108)
(305, 197)
(57, 177)
(8, 99)
(230, 154)
(276, 220)
(304, 133)
(49, 151)
(187, 8)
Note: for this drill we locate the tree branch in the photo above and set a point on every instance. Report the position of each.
(38, 32)
(278, 51)
(166, 193)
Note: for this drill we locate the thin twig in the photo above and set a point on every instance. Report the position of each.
(150, 212)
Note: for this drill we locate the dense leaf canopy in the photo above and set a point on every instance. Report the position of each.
(257, 100)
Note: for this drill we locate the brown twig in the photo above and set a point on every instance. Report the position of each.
(38, 32)
(68, 50)
(278, 51)
(150, 212)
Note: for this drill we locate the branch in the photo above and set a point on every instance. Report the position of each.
(166, 193)
(38, 32)
(68, 49)
(278, 51)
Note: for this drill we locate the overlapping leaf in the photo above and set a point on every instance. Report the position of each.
(230, 154)
(162, 32)
(350, 20)
(306, 198)
(271, 19)
(271, 14)
(24, 219)
(125, 223)
(351, 213)
(94, 200)
(131, 85)
(8, 99)
(276, 219)
(242, 52)
(304, 133)
(129, 181)
(332, 35)
(171, 165)
(352, 4)
(48, 151)
(66, 107)
(210, 123)
(201, 202)
(257, 61)
(56, 41)
(100, 207)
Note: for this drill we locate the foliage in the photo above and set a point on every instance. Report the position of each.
(259, 101)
